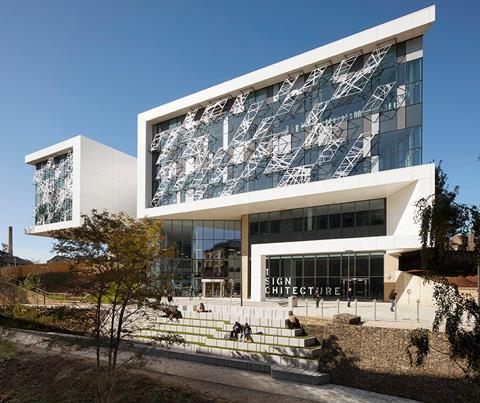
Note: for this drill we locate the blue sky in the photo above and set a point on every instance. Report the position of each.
(88, 67)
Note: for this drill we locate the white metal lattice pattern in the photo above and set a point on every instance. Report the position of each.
(235, 141)
(53, 181)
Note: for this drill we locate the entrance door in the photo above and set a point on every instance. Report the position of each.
(213, 289)
(359, 287)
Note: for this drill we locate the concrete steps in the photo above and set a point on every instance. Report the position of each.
(259, 325)
(223, 333)
(188, 333)
(299, 375)
(285, 353)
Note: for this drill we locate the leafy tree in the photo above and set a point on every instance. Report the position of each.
(117, 252)
(441, 217)
(461, 316)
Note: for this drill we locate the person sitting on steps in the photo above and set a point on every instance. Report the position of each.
(201, 308)
(247, 333)
(293, 323)
(237, 329)
(176, 314)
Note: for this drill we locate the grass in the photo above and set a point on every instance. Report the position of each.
(56, 319)
(238, 349)
(7, 351)
(208, 336)
(221, 329)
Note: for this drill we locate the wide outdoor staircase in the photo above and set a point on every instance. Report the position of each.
(284, 353)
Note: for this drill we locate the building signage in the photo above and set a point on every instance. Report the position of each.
(283, 286)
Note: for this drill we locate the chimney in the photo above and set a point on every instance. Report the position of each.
(10, 240)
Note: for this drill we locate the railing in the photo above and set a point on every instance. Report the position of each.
(368, 310)
(37, 295)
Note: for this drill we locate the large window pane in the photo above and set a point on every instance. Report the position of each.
(309, 266)
(334, 265)
(361, 265)
(321, 218)
(376, 265)
(414, 70)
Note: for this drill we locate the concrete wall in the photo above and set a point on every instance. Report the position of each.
(410, 288)
(374, 358)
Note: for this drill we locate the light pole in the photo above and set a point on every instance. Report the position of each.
(348, 267)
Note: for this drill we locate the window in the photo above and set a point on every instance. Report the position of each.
(413, 93)
(297, 219)
(414, 70)
(321, 218)
(334, 217)
(401, 108)
(329, 273)
(348, 215)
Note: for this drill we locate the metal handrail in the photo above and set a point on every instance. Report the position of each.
(43, 293)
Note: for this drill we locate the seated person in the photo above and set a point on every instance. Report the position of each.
(201, 308)
(176, 314)
(292, 322)
(247, 333)
(237, 329)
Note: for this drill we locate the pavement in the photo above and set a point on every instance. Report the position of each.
(250, 386)
(372, 314)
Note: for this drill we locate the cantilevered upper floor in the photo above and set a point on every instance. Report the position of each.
(75, 176)
(349, 108)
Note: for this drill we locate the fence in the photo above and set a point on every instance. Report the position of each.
(375, 311)
(13, 291)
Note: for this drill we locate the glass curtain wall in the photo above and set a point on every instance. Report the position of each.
(397, 144)
(332, 274)
(342, 220)
(204, 249)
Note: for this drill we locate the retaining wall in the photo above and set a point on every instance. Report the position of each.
(374, 358)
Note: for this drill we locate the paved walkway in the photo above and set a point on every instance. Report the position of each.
(377, 314)
(257, 387)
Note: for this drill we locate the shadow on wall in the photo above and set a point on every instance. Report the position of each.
(399, 207)
(410, 288)
(374, 359)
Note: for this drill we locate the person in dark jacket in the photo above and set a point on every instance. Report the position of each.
(317, 297)
(393, 300)
(176, 314)
(237, 329)
(247, 333)
(349, 297)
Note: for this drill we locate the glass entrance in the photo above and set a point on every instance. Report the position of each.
(213, 288)
(359, 287)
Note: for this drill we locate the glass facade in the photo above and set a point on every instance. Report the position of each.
(204, 249)
(53, 190)
(332, 274)
(359, 116)
(342, 220)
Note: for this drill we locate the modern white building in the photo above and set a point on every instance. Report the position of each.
(78, 175)
(301, 175)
